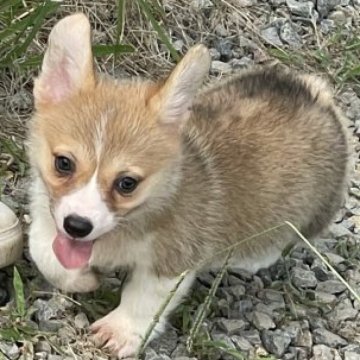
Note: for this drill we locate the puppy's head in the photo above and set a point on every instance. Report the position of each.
(105, 150)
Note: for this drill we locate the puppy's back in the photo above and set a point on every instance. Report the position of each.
(277, 148)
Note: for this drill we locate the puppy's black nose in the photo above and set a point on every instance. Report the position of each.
(77, 226)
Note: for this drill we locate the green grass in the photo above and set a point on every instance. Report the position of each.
(16, 327)
(338, 57)
(20, 22)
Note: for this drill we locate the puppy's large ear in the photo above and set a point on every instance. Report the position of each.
(67, 66)
(175, 97)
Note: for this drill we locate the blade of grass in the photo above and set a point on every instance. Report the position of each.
(156, 5)
(103, 50)
(36, 19)
(19, 293)
(9, 334)
(31, 62)
(203, 312)
(20, 25)
(160, 31)
(47, 8)
(158, 315)
(6, 3)
(120, 22)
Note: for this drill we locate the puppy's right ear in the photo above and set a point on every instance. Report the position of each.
(68, 62)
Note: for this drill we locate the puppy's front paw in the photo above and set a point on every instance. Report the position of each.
(118, 334)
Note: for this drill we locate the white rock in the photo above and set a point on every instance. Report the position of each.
(220, 67)
(11, 240)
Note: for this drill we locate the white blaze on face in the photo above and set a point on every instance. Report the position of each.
(88, 203)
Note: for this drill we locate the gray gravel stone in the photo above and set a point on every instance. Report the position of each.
(331, 286)
(342, 314)
(339, 231)
(322, 352)
(215, 55)
(81, 321)
(52, 308)
(238, 272)
(225, 340)
(10, 350)
(246, 3)
(234, 280)
(348, 355)
(43, 346)
(327, 26)
(352, 352)
(232, 326)
(301, 8)
(201, 4)
(334, 259)
(303, 279)
(322, 297)
(271, 35)
(244, 62)
(220, 30)
(252, 336)
(237, 291)
(262, 320)
(289, 36)
(178, 45)
(40, 355)
(223, 309)
(270, 296)
(165, 344)
(220, 67)
(339, 17)
(156, 357)
(224, 47)
(326, 337)
(276, 342)
(304, 339)
(206, 278)
(66, 334)
(320, 270)
(55, 357)
(50, 325)
(325, 6)
(241, 307)
(241, 343)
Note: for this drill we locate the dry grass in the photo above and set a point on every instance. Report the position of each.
(335, 56)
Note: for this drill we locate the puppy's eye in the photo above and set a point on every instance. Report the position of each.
(64, 165)
(126, 185)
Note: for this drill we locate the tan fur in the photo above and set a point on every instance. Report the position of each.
(248, 163)
(244, 155)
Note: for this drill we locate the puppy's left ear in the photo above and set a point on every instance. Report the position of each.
(67, 66)
(174, 99)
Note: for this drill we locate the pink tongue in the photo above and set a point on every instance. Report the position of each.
(71, 253)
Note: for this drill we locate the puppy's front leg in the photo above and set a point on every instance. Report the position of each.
(123, 329)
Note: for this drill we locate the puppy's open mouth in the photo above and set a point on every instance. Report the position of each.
(71, 253)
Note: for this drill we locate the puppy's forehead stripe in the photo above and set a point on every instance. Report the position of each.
(100, 134)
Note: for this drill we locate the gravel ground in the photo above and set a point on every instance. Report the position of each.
(295, 310)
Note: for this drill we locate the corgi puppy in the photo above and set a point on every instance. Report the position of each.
(161, 179)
